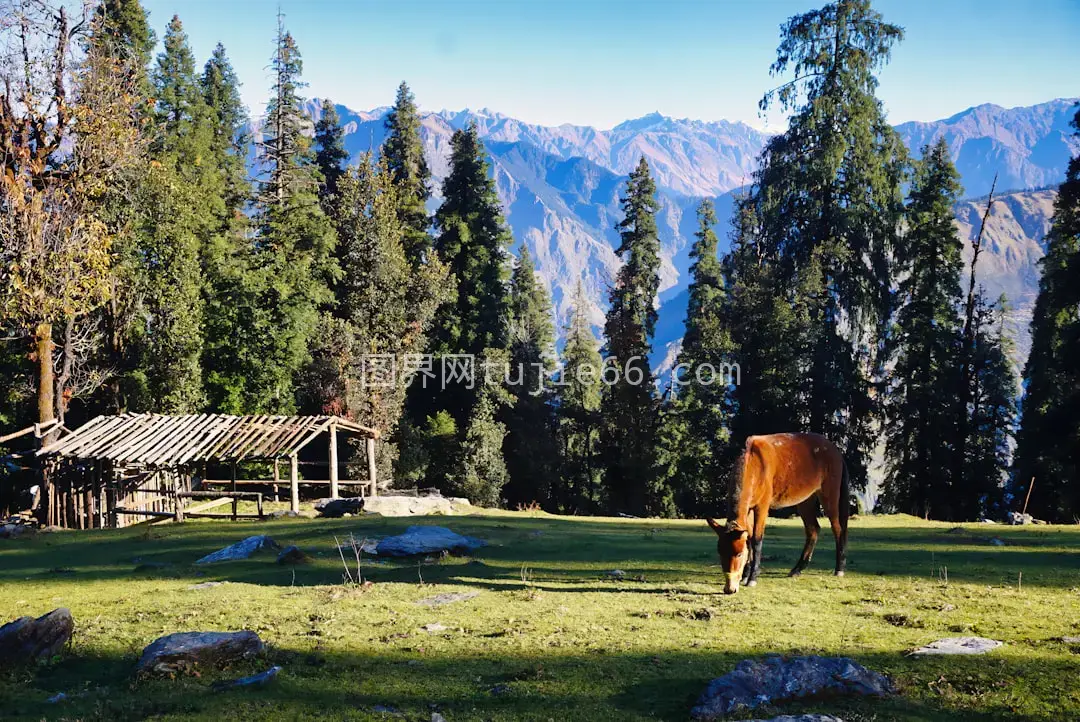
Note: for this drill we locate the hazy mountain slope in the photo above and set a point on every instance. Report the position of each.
(1027, 147)
(560, 187)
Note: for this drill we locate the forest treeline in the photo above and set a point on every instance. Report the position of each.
(146, 269)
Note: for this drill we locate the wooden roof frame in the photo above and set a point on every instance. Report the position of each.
(168, 441)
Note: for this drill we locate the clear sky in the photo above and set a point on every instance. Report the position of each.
(599, 62)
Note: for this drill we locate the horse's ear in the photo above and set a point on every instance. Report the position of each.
(716, 526)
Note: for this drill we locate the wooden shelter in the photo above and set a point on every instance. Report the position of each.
(115, 469)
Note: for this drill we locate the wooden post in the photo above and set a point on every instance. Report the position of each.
(1027, 498)
(294, 484)
(371, 466)
(178, 503)
(277, 478)
(258, 504)
(333, 462)
(235, 501)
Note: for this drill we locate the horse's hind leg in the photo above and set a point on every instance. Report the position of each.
(808, 510)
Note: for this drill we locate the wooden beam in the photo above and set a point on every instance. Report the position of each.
(333, 462)
(294, 483)
(232, 466)
(371, 466)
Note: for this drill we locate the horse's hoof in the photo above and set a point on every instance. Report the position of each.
(794, 575)
(751, 583)
(840, 573)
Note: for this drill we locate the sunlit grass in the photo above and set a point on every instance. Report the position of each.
(551, 635)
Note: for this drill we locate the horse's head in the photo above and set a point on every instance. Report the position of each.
(733, 547)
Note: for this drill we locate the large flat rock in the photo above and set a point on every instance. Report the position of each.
(775, 680)
(426, 540)
(184, 651)
(959, 645)
(27, 640)
(240, 550)
(391, 505)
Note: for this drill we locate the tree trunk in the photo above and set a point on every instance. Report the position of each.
(46, 382)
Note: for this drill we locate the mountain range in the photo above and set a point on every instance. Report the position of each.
(560, 189)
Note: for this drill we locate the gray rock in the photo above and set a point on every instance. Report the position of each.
(1071, 640)
(447, 598)
(432, 627)
(336, 508)
(27, 640)
(997, 542)
(239, 550)
(206, 585)
(293, 555)
(255, 680)
(184, 651)
(397, 505)
(426, 540)
(959, 645)
(773, 680)
(802, 718)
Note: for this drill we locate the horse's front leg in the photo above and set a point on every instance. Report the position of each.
(756, 539)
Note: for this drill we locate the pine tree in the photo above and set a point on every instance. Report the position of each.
(693, 430)
(629, 408)
(473, 241)
(993, 417)
(330, 157)
(482, 473)
(284, 285)
(123, 31)
(829, 201)
(403, 150)
(766, 323)
(178, 202)
(1048, 445)
(384, 310)
(578, 404)
(231, 139)
(530, 447)
(921, 430)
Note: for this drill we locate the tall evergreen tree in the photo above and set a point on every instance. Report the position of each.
(530, 447)
(231, 139)
(403, 150)
(330, 154)
(286, 280)
(1048, 445)
(830, 204)
(473, 323)
(384, 311)
(693, 432)
(993, 416)
(578, 403)
(628, 432)
(921, 430)
(766, 325)
(123, 31)
(179, 199)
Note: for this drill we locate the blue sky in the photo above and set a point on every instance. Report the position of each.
(599, 62)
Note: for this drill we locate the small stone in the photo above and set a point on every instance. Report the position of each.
(802, 718)
(240, 550)
(293, 555)
(959, 645)
(255, 680)
(58, 697)
(184, 651)
(436, 717)
(386, 709)
(447, 598)
(29, 640)
(206, 585)
(997, 542)
(617, 574)
(1071, 640)
(433, 627)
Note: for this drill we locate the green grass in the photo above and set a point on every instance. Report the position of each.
(549, 637)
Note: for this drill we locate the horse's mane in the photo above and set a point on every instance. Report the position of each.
(735, 484)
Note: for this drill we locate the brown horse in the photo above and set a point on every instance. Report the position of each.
(777, 471)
